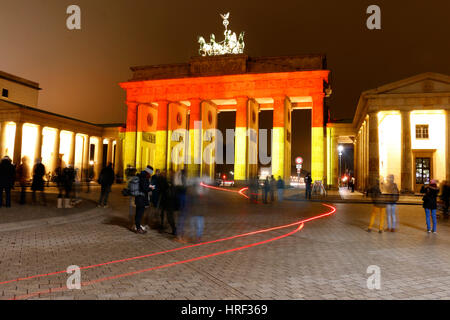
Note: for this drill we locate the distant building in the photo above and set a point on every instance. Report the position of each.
(25, 130)
(402, 128)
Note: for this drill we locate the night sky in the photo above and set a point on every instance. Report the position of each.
(79, 71)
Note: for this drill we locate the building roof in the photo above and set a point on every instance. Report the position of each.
(230, 64)
(424, 83)
(22, 81)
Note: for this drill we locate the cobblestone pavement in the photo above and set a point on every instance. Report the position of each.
(327, 259)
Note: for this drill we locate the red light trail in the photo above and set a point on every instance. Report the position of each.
(300, 225)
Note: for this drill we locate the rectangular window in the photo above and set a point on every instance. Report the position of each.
(422, 131)
(5, 93)
(423, 168)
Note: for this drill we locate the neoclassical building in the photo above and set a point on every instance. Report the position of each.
(402, 128)
(25, 130)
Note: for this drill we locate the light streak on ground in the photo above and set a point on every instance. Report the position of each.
(300, 225)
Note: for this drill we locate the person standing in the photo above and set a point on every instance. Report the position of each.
(379, 206)
(168, 200)
(7, 178)
(273, 187)
(195, 196)
(68, 178)
(308, 181)
(392, 196)
(266, 189)
(139, 188)
(430, 203)
(445, 194)
(106, 180)
(23, 174)
(38, 181)
(280, 188)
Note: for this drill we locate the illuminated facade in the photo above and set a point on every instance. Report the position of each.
(402, 129)
(28, 131)
(162, 99)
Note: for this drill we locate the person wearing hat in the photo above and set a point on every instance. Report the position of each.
(141, 199)
(430, 203)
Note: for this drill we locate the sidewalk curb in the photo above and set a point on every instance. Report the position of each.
(15, 226)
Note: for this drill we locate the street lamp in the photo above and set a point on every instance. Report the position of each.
(340, 149)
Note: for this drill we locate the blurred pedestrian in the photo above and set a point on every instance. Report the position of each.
(430, 203)
(140, 187)
(280, 188)
(22, 175)
(445, 194)
(308, 182)
(7, 178)
(392, 196)
(379, 206)
(168, 203)
(196, 210)
(273, 187)
(180, 191)
(352, 181)
(105, 179)
(38, 181)
(68, 179)
(266, 189)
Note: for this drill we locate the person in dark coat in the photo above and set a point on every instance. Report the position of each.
(22, 175)
(430, 203)
(7, 178)
(141, 200)
(38, 181)
(106, 179)
(379, 206)
(445, 195)
(273, 187)
(280, 188)
(308, 181)
(168, 201)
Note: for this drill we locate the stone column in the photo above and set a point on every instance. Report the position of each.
(317, 138)
(130, 135)
(240, 142)
(18, 143)
(2, 138)
(406, 155)
(195, 138)
(374, 158)
(86, 147)
(109, 157)
(39, 138)
(448, 145)
(279, 137)
(72, 150)
(56, 146)
(99, 157)
(161, 135)
(118, 162)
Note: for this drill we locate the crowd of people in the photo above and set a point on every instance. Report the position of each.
(269, 187)
(385, 195)
(165, 193)
(9, 174)
(65, 177)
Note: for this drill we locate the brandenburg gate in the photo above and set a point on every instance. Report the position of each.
(175, 104)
